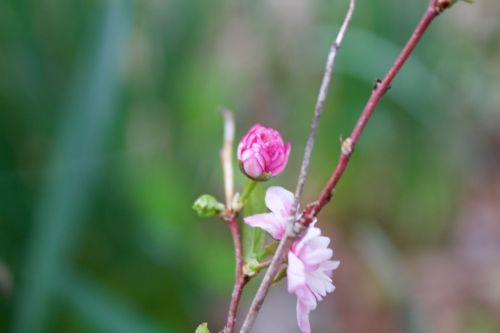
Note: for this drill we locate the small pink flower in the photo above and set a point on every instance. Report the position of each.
(280, 202)
(262, 153)
(309, 273)
(309, 266)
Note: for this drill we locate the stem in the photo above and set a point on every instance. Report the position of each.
(240, 279)
(265, 284)
(285, 242)
(249, 187)
(231, 217)
(263, 264)
(226, 157)
(320, 102)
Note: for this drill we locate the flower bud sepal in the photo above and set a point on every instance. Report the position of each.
(263, 177)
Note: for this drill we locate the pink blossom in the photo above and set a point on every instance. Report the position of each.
(309, 273)
(309, 266)
(262, 153)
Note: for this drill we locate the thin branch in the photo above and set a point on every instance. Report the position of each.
(320, 102)
(231, 217)
(286, 240)
(435, 7)
(240, 279)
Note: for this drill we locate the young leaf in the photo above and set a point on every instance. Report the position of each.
(207, 205)
(253, 238)
(202, 328)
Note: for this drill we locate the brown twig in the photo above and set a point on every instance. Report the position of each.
(284, 244)
(231, 217)
(240, 280)
(433, 10)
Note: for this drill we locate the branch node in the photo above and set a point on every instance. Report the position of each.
(376, 84)
(441, 5)
(347, 147)
(328, 198)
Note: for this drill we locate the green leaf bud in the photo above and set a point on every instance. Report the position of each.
(207, 205)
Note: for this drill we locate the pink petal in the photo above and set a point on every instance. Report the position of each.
(316, 257)
(306, 296)
(330, 265)
(311, 233)
(305, 303)
(252, 167)
(279, 201)
(319, 283)
(303, 317)
(282, 160)
(240, 149)
(269, 222)
(319, 242)
(295, 273)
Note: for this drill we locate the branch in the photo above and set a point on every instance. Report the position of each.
(240, 280)
(226, 157)
(231, 217)
(286, 240)
(433, 10)
(323, 91)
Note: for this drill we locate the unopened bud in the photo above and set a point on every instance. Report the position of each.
(262, 153)
(207, 205)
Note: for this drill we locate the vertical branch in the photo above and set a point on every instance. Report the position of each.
(240, 279)
(227, 158)
(285, 242)
(323, 92)
(231, 217)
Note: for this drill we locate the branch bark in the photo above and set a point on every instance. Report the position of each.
(240, 279)
(232, 219)
(320, 102)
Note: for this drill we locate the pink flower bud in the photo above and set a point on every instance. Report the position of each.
(262, 153)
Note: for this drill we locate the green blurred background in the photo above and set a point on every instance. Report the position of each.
(110, 127)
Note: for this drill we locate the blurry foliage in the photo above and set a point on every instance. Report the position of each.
(110, 127)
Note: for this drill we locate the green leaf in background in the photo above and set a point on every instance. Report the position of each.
(253, 238)
(101, 309)
(202, 328)
(207, 205)
(74, 170)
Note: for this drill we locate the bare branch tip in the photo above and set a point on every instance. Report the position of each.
(228, 125)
